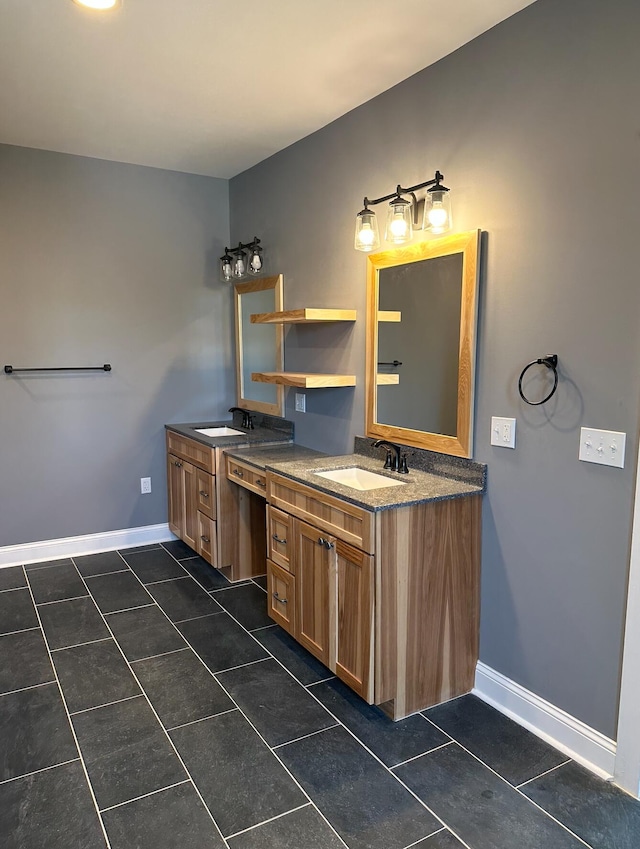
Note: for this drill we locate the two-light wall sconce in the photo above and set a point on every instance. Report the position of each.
(404, 216)
(235, 265)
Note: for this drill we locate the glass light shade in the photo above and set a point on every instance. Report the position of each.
(256, 260)
(437, 211)
(367, 237)
(239, 263)
(399, 222)
(226, 267)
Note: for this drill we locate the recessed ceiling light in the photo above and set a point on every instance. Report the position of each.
(98, 4)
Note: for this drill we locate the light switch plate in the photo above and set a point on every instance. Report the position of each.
(503, 432)
(602, 446)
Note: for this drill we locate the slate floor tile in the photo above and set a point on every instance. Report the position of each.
(100, 564)
(208, 577)
(94, 674)
(126, 752)
(515, 753)
(50, 810)
(301, 663)
(144, 632)
(179, 549)
(364, 803)
(600, 813)
(45, 564)
(172, 819)
(56, 583)
(68, 623)
(248, 784)
(302, 828)
(247, 604)
(221, 642)
(134, 548)
(154, 565)
(442, 840)
(261, 581)
(17, 612)
(34, 731)
(12, 577)
(280, 708)
(182, 599)
(25, 661)
(180, 688)
(485, 811)
(392, 742)
(118, 591)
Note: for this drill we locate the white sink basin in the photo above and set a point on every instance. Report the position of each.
(219, 431)
(359, 478)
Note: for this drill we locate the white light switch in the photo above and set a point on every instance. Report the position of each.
(602, 446)
(503, 432)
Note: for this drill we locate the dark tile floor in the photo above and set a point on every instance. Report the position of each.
(145, 702)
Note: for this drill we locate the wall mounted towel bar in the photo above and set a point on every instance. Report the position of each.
(12, 370)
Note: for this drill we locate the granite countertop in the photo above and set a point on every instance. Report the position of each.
(418, 486)
(253, 437)
(264, 456)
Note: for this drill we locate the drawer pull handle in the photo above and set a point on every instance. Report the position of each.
(238, 473)
(325, 542)
(281, 600)
(205, 539)
(204, 494)
(276, 538)
(261, 483)
(177, 463)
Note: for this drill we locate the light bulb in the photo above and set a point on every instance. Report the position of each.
(399, 222)
(437, 216)
(101, 5)
(255, 262)
(239, 267)
(398, 227)
(366, 236)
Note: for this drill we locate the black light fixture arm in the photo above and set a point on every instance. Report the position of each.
(437, 180)
(242, 245)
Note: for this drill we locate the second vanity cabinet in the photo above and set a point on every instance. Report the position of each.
(388, 600)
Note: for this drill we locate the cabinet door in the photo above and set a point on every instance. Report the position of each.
(281, 604)
(354, 655)
(175, 484)
(315, 571)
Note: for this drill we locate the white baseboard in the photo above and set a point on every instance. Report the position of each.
(572, 736)
(54, 549)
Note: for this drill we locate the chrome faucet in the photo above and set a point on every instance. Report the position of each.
(395, 461)
(247, 418)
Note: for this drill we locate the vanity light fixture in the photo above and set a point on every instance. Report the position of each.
(100, 5)
(403, 215)
(234, 264)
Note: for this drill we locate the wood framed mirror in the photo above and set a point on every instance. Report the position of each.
(259, 347)
(422, 303)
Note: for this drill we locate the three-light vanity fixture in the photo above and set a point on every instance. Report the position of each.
(235, 264)
(404, 216)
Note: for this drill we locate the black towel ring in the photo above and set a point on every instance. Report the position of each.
(550, 361)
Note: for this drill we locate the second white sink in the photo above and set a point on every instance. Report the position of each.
(359, 478)
(219, 431)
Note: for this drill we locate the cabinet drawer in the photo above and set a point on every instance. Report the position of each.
(278, 537)
(345, 521)
(206, 493)
(188, 449)
(281, 589)
(247, 476)
(206, 538)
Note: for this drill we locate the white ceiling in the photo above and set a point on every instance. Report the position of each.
(211, 86)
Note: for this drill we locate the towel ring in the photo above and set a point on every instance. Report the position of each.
(551, 362)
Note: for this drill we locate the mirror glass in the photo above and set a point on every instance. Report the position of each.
(258, 346)
(422, 304)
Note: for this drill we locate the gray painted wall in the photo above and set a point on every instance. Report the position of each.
(535, 126)
(103, 262)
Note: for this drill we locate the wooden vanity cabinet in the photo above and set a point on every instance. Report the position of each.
(395, 615)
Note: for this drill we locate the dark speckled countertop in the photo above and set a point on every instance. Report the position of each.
(417, 486)
(267, 455)
(251, 437)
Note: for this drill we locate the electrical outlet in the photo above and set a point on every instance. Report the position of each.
(301, 402)
(145, 485)
(602, 446)
(503, 432)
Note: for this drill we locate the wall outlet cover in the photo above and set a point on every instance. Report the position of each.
(301, 402)
(503, 432)
(605, 447)
(145, 485)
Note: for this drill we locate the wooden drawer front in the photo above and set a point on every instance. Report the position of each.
(206, 541)
(281, 604)
(346, 521)
(279, 537)
(206, 493)
(194, 452)
(247, 476)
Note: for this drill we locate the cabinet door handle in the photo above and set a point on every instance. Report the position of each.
(328, 544)
(276, 538)
(204, 494)
(205, 539)
(177, 463)
(238, 473)
(260, 483)
(281, 600)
